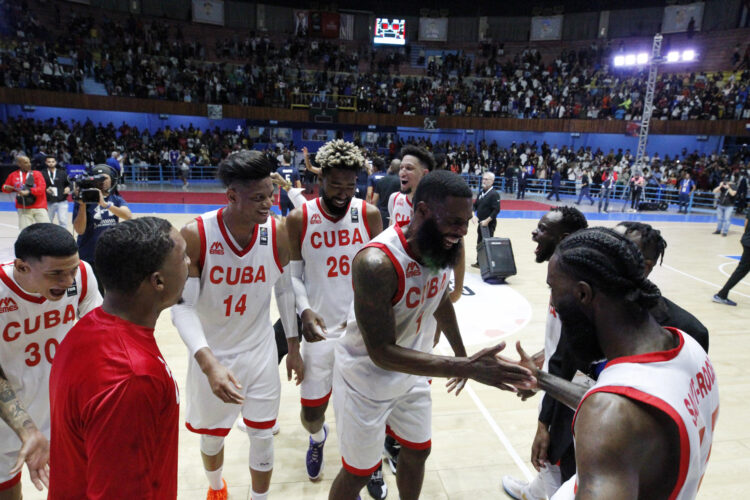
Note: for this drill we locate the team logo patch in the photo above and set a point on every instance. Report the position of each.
(216, 248)
(264, 236)
(412, 270)
(315, 219)
(355, 215)
(73, 290)
(7, 305)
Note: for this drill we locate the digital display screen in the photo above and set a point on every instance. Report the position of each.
(389, 31)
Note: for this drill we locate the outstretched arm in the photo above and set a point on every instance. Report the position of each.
(375, 284)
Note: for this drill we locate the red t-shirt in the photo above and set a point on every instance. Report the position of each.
(114, 414)
(18, 180)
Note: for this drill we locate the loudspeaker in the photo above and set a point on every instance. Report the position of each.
(495, 257)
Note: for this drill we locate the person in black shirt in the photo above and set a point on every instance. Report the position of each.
(585, 187)
(58, 189)
(740, 272)
(385, 188)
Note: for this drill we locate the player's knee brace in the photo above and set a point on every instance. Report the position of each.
(211, 445)
(261, 449)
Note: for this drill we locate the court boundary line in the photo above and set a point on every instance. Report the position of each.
(496, 428)
(718, 287)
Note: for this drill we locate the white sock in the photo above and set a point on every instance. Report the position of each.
(214, 479)
(319, 436)
(258, 496)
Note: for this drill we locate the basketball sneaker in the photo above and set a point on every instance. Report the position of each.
(723, 300)
(391, 449)
(522, 490)
(218, 494)
(314, 459)
(376, 486)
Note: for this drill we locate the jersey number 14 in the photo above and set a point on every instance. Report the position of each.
(239, 306)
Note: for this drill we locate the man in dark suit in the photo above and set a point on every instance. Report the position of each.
(486, 206)
(555, 186)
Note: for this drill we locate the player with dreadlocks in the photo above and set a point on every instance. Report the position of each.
(325, 234)
(667, 313)
(647, 424)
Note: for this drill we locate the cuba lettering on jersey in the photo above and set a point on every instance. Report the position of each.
(682, 384)
(399, 208)
(420, 290)
(33, 328)
(328, 247)
(236, 285)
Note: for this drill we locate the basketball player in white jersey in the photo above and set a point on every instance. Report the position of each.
(42, 294)
(645, 429)
(324, 236)
(383, 360)
(238, 254)
(548, 443)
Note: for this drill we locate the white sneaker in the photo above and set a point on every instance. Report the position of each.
(522, 490)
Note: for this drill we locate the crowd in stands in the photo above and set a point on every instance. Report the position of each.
(147, 58)
(88, 144)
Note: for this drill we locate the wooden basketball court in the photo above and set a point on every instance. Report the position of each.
(485, 433)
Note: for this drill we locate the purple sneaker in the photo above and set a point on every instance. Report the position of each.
(314, 458)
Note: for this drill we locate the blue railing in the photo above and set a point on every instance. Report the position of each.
(665, 196)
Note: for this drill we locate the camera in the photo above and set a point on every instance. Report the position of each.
(86, 188)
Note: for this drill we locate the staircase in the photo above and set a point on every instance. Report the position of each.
(92, 87)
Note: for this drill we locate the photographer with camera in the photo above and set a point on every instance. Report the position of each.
(725, 192)
(29, 187)
(96, 208)
(58, 189)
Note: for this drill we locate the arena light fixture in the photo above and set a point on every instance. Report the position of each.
(630, 60)
(673, 56)
(619, 61)
(688, 55)
(641, 58)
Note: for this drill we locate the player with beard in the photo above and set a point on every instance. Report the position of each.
(325, 234)
(646, 427)
(382, 362)
(552, 453)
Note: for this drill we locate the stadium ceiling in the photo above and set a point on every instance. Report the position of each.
(453, 8)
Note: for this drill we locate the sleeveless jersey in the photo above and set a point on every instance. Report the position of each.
(419, 293)
(682, 384)
(552, 331)
(33, 327)
(399, 208)
(328, 247)
(236, 285)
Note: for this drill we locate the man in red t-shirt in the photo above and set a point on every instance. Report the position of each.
(31, 193)
(114, 403)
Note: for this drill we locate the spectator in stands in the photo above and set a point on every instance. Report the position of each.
(114, 162)
(686, 189)
(58, 189)
(30, 189)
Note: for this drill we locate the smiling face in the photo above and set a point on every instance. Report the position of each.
(411, 172)
(49, 276)
(337, 188)
(440, 232)
(547, 235)
(252, 199)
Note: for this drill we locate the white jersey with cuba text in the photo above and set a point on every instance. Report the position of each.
(236, 286)
(33, 328)
(328, 247)
(420, 290)
(681, 383)
(399, 208)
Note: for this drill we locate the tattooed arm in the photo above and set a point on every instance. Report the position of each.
(35, 447)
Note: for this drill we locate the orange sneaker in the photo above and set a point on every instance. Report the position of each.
(218, 494)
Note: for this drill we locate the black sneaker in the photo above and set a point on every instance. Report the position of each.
(376, 486)
(391, 450)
